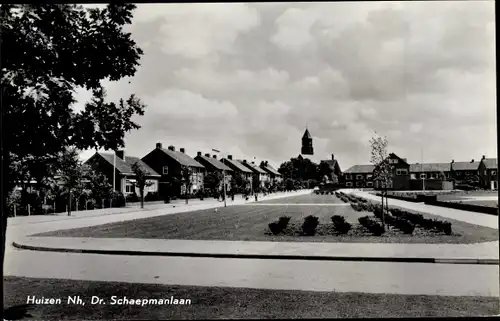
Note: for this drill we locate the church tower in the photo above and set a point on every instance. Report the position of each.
(307, 144)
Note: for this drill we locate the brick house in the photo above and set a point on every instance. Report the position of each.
(169, 164)
(488, 168)
(213, 165)
(331, 166)
(462, 172)
(433, 176)
(124, 175)
(238, 170)
(359, 176)
(400, 173)
(275, 176)
(259, 175)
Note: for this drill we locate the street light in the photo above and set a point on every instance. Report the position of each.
(223, 177)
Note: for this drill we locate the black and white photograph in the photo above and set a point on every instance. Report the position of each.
(260, 160)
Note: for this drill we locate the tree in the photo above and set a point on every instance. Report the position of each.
(141, 180)
(382, 174)
(72, 175)
(54, 49)
(213, 180)
(186, 175)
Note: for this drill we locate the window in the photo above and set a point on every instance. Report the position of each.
(348, 184)
(165, 170)
(447, 175)
(423, 176)
(369, 184)
(369, 176)
(434, 175)
(359, 177)
(401, 171)
(393, 161)
(348, 176)
(358, 184)
(458, 173)
(493, 173)
(413, 176)
(129, 188)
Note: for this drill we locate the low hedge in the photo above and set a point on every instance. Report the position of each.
(371, 225)
(400, 223)
(465, 207)
(419, 219)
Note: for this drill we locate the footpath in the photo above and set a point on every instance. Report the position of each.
(19, 235)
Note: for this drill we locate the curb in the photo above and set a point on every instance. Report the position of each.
(262, 256)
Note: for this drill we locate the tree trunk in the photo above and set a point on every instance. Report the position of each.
(69, 203)
(382, 207)
(141, 193)
(187, 195)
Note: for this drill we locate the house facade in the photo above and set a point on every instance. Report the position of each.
(330, 169)
(259, 175)
(213, 165)
(274, 175)
(240, 172)
(465, 172)
(488, 168)
(359, 176)
(431, 176)
(125, 178)
(400, 173)
(170, 163)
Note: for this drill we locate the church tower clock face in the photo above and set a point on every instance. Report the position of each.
(307, 144)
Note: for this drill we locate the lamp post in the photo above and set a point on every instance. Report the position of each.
(223, 177)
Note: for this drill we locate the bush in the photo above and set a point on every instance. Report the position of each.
(426, 223)
(283, 221)
(151, 197)
(275, 228)
(118, 200)
(371, 225)
(309, 225)
(132, 198)
(340, 225)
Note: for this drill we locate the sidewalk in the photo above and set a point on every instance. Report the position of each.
(464, 216)
(482, 253)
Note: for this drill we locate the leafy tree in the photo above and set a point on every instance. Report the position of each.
(54, 49)
(141, 179)
(99, 186)
(186, 175)
(382, 174)
(72, 175)
(213, 180)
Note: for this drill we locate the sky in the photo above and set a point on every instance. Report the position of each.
(247, 79)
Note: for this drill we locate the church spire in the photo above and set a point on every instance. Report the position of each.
(307, 143)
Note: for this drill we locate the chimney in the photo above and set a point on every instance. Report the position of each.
(230, 157)
(207, 155)
(120, 154)
(472, 161)
(198, 153)
(483, 157)
(172, 148)
(253, 162)
(158, 145)
(182, 150)
(452, 161)
(214, 156)
(333, 157)
(245, 161)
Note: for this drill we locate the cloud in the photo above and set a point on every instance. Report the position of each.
(249, 77)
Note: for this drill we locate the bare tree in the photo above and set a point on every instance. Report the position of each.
(382, 174)
(141, 180)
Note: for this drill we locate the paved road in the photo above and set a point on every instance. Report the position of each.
(368, 277)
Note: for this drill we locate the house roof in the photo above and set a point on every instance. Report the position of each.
(362, 169)
(271, 170)
(253, 167)
(182, 158)
(125, 166)
(490, 163)
(215, 163)
(237, 165)
(465, 166)
(430, 167)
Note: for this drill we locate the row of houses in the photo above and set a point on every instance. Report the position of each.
(162, 164)
(418, 176)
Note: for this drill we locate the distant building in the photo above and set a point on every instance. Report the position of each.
(331, 169)
(488, 173)
(213, 165)
(307, 144)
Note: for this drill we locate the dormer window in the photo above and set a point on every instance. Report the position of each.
(165, 170)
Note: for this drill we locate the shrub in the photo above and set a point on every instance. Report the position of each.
(371, 225)
(132, 197)
(275, 228)
(340, 225)
(309, 225)
(151, 197)
(283, 221)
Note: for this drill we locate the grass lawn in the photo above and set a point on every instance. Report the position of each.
(224, 303)
(305, 199)
(250, 223)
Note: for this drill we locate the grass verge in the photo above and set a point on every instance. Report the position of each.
(222, 303)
